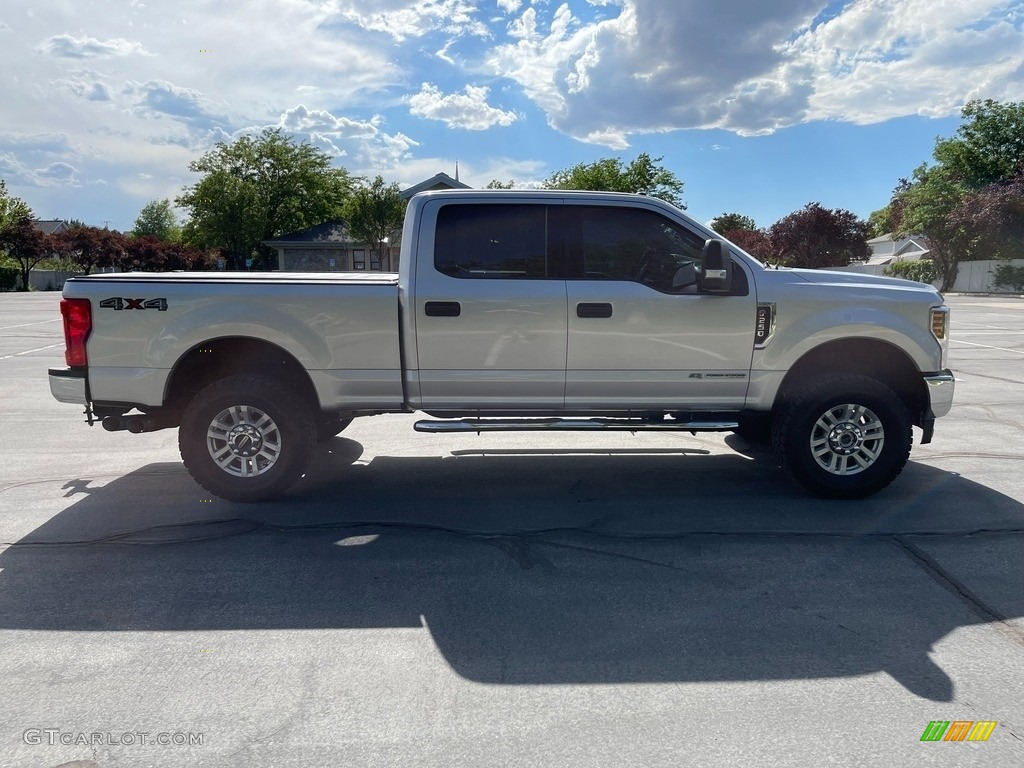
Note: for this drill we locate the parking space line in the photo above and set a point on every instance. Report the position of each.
(29, 351)
(960, 332)
(26, 325)
(958, 341)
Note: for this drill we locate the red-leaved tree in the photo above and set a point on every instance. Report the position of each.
(816, 237)
(27, 245)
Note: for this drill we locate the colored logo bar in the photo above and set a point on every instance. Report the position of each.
(958, 730)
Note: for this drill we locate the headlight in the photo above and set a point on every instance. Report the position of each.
(940, 322)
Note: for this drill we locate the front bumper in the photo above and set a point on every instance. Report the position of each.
(940, 400)
(68, 385)
(940, 392)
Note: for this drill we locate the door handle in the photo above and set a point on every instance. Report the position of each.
(442, 309)
(594, 310)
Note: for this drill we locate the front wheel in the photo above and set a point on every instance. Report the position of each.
(246, 438)
(844, 436)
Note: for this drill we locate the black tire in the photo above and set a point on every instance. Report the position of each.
(844, 436)
(329, 425)
(268, 438)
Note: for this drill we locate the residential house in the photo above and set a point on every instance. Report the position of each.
(885, 249)
(329, 247)
(440, 181)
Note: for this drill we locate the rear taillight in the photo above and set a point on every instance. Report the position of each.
(77, 314)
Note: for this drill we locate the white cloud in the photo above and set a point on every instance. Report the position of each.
(468, 110)
(301, 120)
(89, 47)
(882, 59)
(509, 6)
(18, 172)
(85, 84)
(402, 19)
(753, 67)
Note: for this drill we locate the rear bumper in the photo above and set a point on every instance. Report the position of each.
(67, 385)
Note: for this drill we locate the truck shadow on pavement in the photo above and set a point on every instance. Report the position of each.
(545, 567)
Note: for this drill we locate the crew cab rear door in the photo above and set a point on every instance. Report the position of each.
(490, 306)
(641, 334)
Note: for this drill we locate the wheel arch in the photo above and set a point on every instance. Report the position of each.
(874, 358)
(225, 356)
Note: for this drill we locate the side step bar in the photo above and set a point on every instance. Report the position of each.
(569, 425)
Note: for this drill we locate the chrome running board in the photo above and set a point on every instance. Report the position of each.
(569, 425)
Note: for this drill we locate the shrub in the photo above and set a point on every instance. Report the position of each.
(922, 270)
(1008, 276)
(8, 277)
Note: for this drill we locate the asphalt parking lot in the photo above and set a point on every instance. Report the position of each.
(509, 600)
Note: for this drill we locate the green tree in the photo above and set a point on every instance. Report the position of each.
(731, 222)
(880, 222)
(12, 209)
(257, 188)
(926, 206)
(988, 147)
(643, 176)
(818, 237)
(157, 219)
(26, 245)
(374, 214)
(967, 204)
(495, 184)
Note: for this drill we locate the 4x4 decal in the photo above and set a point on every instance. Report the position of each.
(118, 303)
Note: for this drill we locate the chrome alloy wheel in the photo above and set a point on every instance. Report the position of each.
(847, 439)
(243, 441)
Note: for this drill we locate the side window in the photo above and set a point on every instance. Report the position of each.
(639, 245)
(492, 241)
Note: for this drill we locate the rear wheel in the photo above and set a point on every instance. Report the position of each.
(844, 436)
(246, 438)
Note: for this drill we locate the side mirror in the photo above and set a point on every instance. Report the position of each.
(717, 273)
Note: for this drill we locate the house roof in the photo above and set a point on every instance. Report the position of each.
(50, 226)
(440, 181)
(330, 234)
(912, 246)
(889, 258)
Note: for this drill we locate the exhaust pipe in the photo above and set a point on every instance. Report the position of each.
(138, 424)
(134, 424)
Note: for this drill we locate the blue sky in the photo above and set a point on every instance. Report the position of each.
(759, 107)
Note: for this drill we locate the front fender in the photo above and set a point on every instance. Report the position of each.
(795, 337)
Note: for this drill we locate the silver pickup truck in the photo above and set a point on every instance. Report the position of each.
(517, 311)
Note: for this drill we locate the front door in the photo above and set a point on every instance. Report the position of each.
(641, 335)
